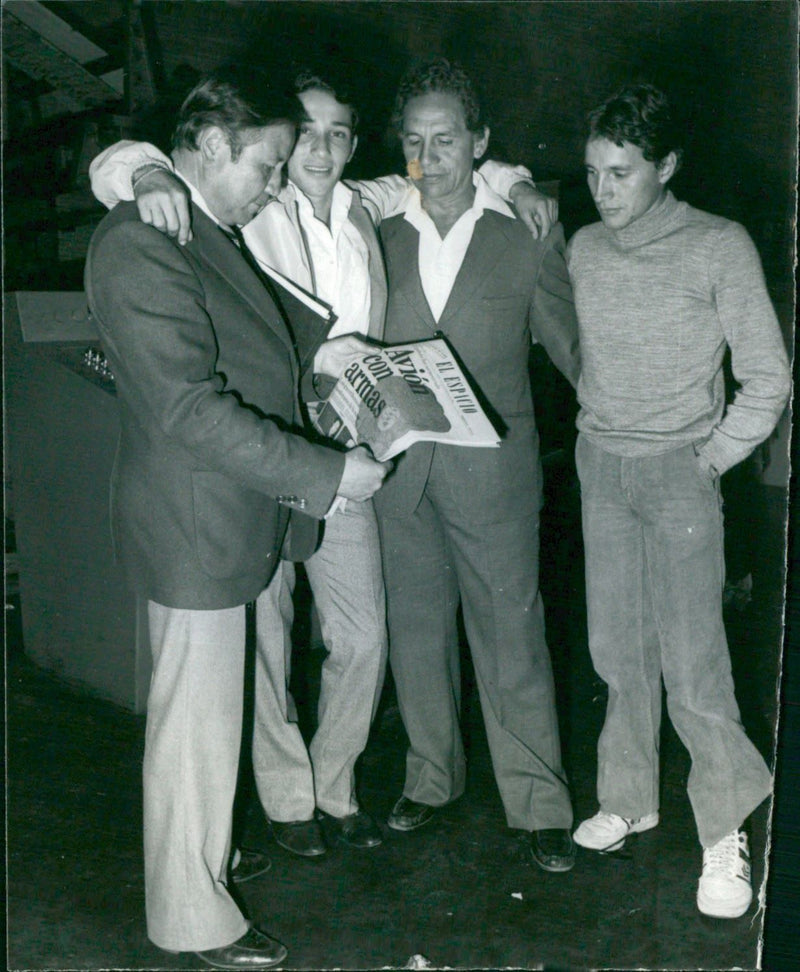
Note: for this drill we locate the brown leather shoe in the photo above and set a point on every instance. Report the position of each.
(356, 829)
(408, 814)
(252, 864)
(300, 837)
(254, 950)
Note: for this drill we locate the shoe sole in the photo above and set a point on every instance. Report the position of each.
(722, 909)
(617, 845)
(249, 877)
(304, 854)
(266, 964)
(363, 845)
(404, 827)
(553, 868)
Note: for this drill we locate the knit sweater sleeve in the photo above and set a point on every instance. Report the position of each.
(758, 357)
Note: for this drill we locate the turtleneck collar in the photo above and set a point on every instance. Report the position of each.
(654, 223)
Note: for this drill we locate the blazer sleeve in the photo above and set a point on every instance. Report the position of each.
(553, 320)
(149, 306)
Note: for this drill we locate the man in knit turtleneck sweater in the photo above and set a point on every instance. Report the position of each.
(661, 290)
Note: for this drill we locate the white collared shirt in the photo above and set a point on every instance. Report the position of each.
(340, 261)
(441, 259)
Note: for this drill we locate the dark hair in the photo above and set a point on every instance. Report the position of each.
(639, 114)
(309, 80)
(439, 75)
(236, 102)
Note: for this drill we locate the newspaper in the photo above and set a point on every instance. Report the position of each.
(399, 394)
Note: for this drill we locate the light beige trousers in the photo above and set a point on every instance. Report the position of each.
(347, 583)
(193, 738)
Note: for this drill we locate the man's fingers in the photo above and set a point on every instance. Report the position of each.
(531, 220)
(166, 219)
(184, 219)
(171, 223)
(152, 215)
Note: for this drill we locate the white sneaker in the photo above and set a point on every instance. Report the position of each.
(607, 831)
(724, 890)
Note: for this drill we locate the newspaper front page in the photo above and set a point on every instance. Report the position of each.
(396, 395)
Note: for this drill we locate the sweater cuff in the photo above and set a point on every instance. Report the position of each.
(715, 457)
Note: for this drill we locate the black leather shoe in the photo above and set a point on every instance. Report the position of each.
(553, 850)
(356, 829)
(408, 815)
(254, 950)
(252, 864)
(300, 837)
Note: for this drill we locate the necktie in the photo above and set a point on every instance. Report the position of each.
(238, 238)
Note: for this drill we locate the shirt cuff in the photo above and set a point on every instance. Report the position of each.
(145, 169)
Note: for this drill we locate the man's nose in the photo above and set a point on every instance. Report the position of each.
(602, 189)
(428, 155)
(320, 145)
(274, 184)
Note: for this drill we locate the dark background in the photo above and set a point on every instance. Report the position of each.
(731, 68)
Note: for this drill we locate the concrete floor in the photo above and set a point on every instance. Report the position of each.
(461, 892)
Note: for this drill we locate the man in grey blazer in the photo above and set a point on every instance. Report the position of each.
(463, 524)
(210, 466)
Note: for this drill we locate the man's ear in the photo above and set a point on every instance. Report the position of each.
(667, 168)
(353, 149)
(212, 143)
(481, 143)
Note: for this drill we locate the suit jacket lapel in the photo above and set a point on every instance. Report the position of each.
(485, 251)
(224, 256)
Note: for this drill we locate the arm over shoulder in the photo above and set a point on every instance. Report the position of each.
(112, 170)
(553, 320)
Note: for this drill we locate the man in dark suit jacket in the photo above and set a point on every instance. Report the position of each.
(463, 524)
(209, 466)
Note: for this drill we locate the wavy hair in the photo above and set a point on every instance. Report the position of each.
(641, 115)
(442, 76)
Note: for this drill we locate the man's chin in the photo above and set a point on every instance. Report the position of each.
(614, 221)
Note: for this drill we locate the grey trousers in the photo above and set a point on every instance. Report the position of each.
(432, 558)
(653, 537)
(347, 584)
